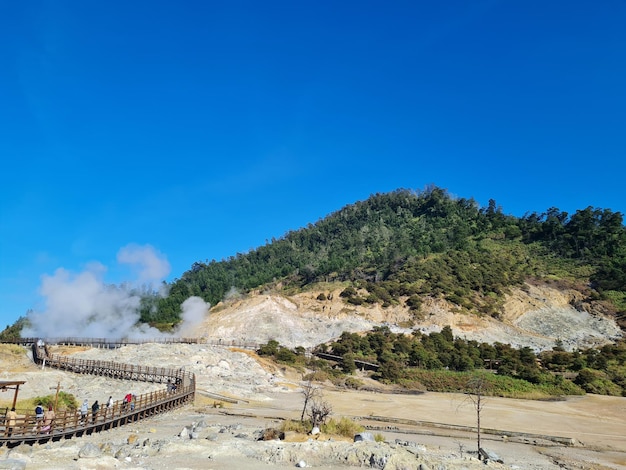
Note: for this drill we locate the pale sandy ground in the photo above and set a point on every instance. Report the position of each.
(598, 423)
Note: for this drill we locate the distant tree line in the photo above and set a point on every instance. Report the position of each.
(406, 359)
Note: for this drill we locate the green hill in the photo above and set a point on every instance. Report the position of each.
(401, 246)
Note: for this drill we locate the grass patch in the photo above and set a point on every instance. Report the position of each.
(12, 349)
(66, 401)
(343, 427)
(302, 427)
(498, 385)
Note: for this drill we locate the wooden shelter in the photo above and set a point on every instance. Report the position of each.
(12, 385)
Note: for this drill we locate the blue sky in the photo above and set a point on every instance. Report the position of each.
(196, 130)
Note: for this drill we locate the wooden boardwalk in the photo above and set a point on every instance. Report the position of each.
(67, 424)
(108, 343)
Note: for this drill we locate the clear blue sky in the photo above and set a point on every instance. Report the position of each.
(200, 129)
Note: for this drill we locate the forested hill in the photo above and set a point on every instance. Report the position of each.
(401, 246)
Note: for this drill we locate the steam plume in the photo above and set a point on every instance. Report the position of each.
(83, 305)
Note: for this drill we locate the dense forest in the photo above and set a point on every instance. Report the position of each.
(401, 246)
(438, 361)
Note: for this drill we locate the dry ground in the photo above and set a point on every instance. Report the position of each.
(267, 395)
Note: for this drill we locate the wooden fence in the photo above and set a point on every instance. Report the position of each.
(109, 343)
(26, 428)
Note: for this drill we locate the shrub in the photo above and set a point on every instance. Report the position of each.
(286, 355)
(66, 401)
(353, 383)
(348, 292)
(596, 381)
(268, 349)
(344, 427)
(302, 427)
(317, 376)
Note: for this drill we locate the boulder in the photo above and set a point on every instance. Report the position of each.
(89, 451)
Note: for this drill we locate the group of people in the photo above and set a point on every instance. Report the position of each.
(128, 400)
(43, 420)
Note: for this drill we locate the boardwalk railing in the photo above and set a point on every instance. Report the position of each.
(109, 343)
(26, 428)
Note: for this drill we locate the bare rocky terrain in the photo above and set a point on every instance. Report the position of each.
(430, 430)
(536, 316)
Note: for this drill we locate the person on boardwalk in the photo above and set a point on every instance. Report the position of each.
(38, 416)
(127, 399)
(48, 420)
(10, 418)
(110, 402)
(39, 412)
(84, 409)
(94, 411)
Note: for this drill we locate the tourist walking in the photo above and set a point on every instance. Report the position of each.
(48, 420)
(38, 417)
(84, 409)
(127, 399)
(94, 411)
(10, 418)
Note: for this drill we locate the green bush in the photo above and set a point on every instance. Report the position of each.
(596, 381)
(66, 401)
(353, 383)
(302, 427)
(317, 376)
(344, 427)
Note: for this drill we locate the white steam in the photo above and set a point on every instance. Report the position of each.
(82, 305)
(149, 264)
(194, 311)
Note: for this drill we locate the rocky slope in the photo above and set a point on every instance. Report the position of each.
(534, 316)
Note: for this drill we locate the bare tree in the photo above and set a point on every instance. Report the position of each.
(319, 411)
(310, 392)
(476, 388)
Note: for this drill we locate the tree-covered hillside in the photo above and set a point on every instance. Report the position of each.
(401, 246)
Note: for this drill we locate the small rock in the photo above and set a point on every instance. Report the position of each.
(301, 464)
(315, 431)
(89, 451)
(12, 464)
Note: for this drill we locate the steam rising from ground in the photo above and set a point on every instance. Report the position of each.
(83, 305)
